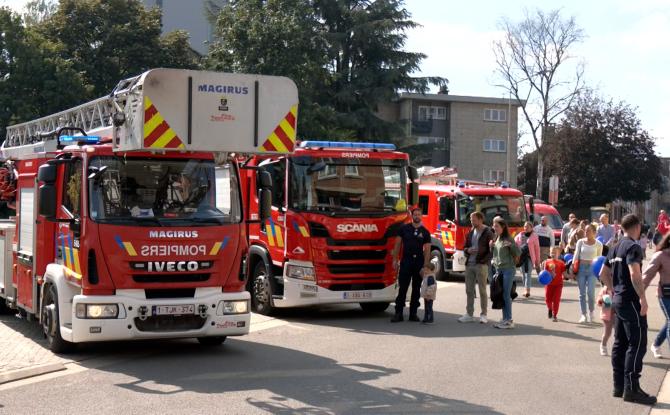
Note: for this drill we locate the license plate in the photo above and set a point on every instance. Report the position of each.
(357, 295)
(162, 310)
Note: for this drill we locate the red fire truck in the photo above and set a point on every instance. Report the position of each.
(129, 221)
(447, 203)
(336, 208)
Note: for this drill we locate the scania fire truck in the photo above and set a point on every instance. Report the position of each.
(447, 203)
(336, 210)
(129, 220)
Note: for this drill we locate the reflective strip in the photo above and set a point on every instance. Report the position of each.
(130, 249)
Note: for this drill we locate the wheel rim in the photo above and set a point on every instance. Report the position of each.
(435, 260)
(261, 290)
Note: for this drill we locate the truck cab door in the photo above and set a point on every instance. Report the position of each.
(273, 229)
(446, 226)
(69, 215)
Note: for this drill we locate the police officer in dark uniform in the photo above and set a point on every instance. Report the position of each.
(415, 240)
(622, 274)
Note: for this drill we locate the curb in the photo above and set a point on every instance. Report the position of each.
(13, 375)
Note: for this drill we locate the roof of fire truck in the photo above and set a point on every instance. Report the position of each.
(444, 180)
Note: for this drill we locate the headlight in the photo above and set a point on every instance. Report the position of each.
(97, 311)
(236, 307)
(299, 272)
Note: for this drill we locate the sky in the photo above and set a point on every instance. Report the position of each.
(626, 51)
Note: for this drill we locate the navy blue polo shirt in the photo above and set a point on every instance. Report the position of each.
(625, 253)
(413, 240)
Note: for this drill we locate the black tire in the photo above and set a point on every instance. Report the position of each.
(261, 290)
(50, 322)
(437, 259)
(374, 307)
(3, 307)
(212, 341)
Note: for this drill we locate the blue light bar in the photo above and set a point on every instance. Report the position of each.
(504, 185)
(347, 144)
(83, 139)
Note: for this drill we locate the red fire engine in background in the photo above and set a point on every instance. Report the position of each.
(336, 210)
(447, 203)
(129, 220)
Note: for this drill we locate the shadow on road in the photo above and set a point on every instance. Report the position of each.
(298, 382)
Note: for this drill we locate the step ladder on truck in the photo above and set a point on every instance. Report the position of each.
(129, 221)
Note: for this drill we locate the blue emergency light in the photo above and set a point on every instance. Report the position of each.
(504, 185)
(347, 144)
(79, 139)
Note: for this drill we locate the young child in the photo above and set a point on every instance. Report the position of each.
(553, 290)
(605, 301)
(428, 291)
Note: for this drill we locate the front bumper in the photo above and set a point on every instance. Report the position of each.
(306, 293)
(130, 325)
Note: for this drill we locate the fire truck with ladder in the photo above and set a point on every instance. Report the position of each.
(336, 210)
(447, 203)
(129, 220)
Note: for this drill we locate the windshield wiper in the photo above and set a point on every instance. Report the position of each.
(147, 220)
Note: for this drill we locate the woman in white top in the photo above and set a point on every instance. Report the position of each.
(586, 251)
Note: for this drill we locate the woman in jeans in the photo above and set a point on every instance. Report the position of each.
(660, 264)
(529, 237)
(586, 251)
(504, 251)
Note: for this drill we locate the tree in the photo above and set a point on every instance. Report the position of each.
(530, 61)
(34, 79)
(345, 56)
(37, 11)
(278, 38)
(109, 40)
(601, 153)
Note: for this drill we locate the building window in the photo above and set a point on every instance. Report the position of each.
(496, 146)
(495, 115)
(328, 172)
(494, 175)
(432, 113)
(430, 140)
(351, 171)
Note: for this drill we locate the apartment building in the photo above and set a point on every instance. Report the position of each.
(476, 135)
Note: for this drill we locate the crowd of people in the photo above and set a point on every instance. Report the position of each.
(587, 252)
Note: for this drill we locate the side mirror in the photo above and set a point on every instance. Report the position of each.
(47, 202)
(265, 179)
(47, 173)
(412, 173)
(264, 203)
(75, 227)
(413, 193)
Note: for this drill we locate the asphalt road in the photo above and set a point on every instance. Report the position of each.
(339, 360)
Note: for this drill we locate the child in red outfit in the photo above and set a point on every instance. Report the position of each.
(553, 290)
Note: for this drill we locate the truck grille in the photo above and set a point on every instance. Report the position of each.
(356, 242)
(356, 268)
(356, 255)
(155, 278)
(170, 323)
(357, 287)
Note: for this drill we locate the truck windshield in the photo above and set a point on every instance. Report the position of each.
(348, 185)
(162, 192)
(511, 208)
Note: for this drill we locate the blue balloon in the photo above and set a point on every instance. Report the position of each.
(567, 258)
(601, 240)
(597, 265)
(545, 277)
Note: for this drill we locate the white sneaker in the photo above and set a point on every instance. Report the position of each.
(589, 317)
(656, 351)
(466, 318)
(582, 319)
(483, 319)
(505, 325)
(603, 350)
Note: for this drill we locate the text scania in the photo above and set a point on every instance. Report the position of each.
(173, 234)
(224, 89)
(170, 250)
(357, 227)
